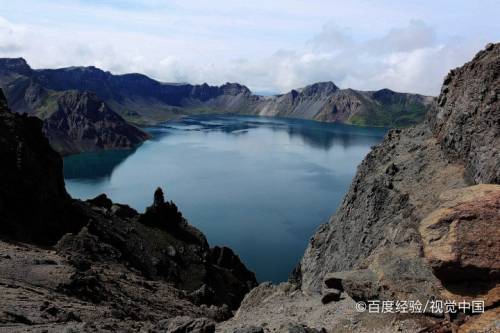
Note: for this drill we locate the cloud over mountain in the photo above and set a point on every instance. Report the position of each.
(268, 47)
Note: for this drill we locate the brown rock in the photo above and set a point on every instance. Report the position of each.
(484, 323)
(462, 241)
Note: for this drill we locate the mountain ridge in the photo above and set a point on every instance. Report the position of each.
(82, 122)
(143, 100)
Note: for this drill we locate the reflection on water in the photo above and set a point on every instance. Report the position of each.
(258, 185)
(94, 165)
(314, 134)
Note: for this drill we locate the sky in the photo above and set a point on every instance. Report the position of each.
(271, 46)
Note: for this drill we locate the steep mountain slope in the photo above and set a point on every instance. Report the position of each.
(97, 265)
(378, 228)
(143, 100)
(421, 221)
(74, 121)
(325, 102)
(81, 122)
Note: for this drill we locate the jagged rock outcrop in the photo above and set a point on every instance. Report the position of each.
(467, 119)
(82, 122)
(34, 205)
(143, 100)
(97, 265)
(397, 234)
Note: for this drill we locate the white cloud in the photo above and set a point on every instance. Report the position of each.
(269, 46)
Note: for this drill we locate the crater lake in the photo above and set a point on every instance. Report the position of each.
(258, 185)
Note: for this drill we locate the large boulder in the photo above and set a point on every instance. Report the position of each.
(462, 243)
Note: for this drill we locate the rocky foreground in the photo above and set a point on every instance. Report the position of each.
(99, 266)
(420, 222)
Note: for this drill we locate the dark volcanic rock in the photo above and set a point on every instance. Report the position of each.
(161, 214)
(82, 122)
(110, 270)
(165, 248)
(34, 205)
(15, 65)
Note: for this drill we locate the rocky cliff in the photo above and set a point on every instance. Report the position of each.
(82, 122)
(401, 231)
(141, 99)
(74, 121)
(97, 265)
(420, 222)
(32, 194)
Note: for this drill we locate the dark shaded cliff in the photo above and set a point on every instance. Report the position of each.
(143, 100)
(97, 265)
(33, 200)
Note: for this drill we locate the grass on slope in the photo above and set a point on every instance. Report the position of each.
(396, 115)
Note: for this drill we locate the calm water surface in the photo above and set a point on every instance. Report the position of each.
(258, 185)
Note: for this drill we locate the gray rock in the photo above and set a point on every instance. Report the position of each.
(465, 121)
(186, 324)
(330, 295)
(83, 122)
(358, 284)
(249, 329)
(303, 329)
(373, 242)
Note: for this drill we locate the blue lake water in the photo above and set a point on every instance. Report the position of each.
(258, 185)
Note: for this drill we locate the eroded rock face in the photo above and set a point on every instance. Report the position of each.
(376, 226)
(466, 120)
(392, 238)
(82, 122)
(462, 242)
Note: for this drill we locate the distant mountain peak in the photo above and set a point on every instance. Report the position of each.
(326, 87)
(84, 122)
(234, 89)
(17, 65)
(141, 99)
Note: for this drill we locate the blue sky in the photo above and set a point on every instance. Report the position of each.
(267, 45)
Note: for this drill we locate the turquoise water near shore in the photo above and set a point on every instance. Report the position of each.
(258, 185)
